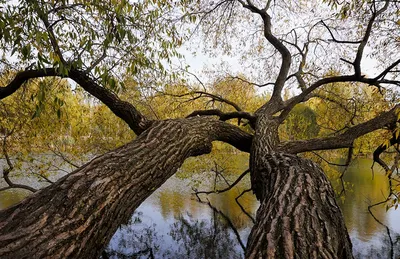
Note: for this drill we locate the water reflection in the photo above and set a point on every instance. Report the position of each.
(364, 191)
(185, 237)
(172, 224)
(203, 238)
(370, 240)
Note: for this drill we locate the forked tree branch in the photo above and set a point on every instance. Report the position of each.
(242, 208)
(387, 70)
(276, 97)
(357, 77)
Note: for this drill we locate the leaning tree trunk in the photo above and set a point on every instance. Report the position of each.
(298, 215)
(77, 216)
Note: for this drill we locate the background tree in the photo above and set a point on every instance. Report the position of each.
(92, 42)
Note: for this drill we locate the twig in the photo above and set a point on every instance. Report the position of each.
(7, 171)
(228, 188)
(241, 207)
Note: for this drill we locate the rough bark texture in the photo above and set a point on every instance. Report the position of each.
(298, 216)
(77, 216)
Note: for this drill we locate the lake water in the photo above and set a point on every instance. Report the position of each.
(171, 223)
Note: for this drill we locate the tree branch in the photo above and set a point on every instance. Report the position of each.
(345, 139)
(336, 40)
(250, 83)
(97, 61)
(44, 17)
(285, 53)
(241, 207)
(231, 134)
(227, 188)
(224, 116)
(7, 171)
(360, 50)
(23, 76)
(387, 70)
(289, 104)
(395, 139)
(209, 95)
(124, 110)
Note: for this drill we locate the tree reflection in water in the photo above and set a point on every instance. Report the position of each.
(187, 238)
(132, 243)
(200, 239)
(361, 251)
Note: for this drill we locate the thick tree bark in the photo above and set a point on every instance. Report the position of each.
(77, 216)
(298, 216)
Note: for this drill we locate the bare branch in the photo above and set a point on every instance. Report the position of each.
(305, 95)
(348, 161)
(44, 177)
(326, 161)
(7, 171)
(62, 156)
(395, 139)
(96, 62)
(387, 70)
(336, 40)
(241, 207)
(332, 100)
(385, 226)
(285, 53)
(361, 47)
(250, 83)
(228, 188)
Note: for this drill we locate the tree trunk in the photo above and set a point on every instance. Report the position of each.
(77, 216)
(298, 215)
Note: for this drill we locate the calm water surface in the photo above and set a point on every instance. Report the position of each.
(171, 223)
